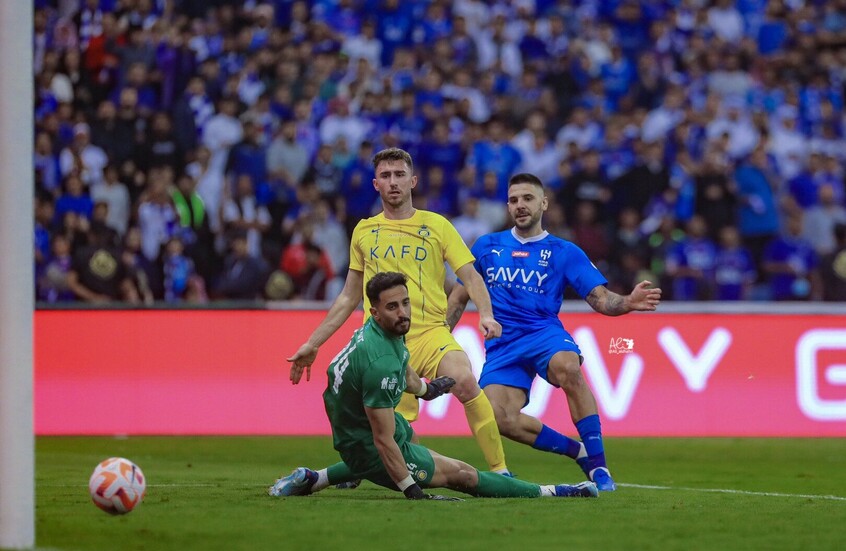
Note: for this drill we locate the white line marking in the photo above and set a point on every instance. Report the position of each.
(726, 491)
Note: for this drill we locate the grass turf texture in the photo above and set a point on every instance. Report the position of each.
(209, 493)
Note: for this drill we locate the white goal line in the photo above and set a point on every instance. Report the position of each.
(729, 491)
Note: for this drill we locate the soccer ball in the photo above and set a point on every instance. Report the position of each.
(117, 485)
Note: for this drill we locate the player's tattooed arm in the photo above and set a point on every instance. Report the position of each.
(643, 297)
(456, 304)
(607, 302)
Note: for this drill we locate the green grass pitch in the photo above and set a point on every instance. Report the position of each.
(208, 493)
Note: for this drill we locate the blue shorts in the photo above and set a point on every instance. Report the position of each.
(516, 361)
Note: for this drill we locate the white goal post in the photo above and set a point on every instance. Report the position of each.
(17, 456)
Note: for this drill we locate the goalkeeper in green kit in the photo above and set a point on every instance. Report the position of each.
(366, 380)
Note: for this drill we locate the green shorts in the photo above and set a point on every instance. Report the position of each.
(418, 459)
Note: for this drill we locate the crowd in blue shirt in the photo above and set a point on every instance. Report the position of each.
(220, 149)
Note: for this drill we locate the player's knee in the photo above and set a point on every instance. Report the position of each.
(465, 476)
(507, 422)
(566, 374)
(466, 387)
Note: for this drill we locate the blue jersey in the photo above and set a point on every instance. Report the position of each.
(526, 278)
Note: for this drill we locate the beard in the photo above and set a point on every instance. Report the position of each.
(529, 219)
(399, 327)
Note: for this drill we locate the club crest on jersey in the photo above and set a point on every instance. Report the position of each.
(545, 254)
(520, 254)
(424, 231)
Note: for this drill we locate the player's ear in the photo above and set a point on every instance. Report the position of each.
(414, 181)
(545, 203)
(373, 311)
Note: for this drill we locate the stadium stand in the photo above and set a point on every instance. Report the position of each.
(216, 145)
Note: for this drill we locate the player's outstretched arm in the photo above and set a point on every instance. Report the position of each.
(643, 298)
(456, 304)
(383, 425)
(479, 293)
(338, 313)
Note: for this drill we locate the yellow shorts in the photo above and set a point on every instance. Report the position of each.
(426, 351)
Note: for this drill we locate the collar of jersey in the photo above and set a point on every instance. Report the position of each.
(541, 235)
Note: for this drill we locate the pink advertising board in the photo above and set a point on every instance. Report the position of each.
(224, 372)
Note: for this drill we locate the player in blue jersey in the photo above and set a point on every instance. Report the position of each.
(527, 270)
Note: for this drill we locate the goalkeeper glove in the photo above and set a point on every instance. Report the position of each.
(436, 387)
(416, 492)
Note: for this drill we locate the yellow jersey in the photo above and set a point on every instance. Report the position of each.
(416, 247)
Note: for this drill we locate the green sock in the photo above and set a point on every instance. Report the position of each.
(496, 485)
(338, 473)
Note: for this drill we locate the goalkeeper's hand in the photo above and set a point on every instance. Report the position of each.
(416, 492)
(438, 387)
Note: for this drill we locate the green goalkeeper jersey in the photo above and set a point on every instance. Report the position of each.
(369, 371)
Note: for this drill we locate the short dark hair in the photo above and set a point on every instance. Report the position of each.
(525, 178)
(383, 281)
(393, 154)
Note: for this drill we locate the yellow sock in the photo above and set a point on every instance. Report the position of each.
(480, 417)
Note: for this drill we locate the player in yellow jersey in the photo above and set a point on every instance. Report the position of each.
(415, 243)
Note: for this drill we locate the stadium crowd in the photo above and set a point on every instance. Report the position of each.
(194, 150)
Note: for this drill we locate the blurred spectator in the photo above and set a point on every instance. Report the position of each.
(470, 225)
(287, 160)
(194, 230)
(758, 218)
(330, 236)
(248, 157)
(82, 157)
(222, 132)
(53, 283)
(648, 178)
(310, 270)
(116, 196)
(580, 130)
(97, 274)
(819, 221)
(588, 185)
(324, 173)
(157, 217)
(177, 269)
(47, 173)
(144, 273)
(791, 264)
(692, 262)
(160, 146)
(590, 234)
(243, 212)
(75, 198)
(833, 268)
(734, 270)
(210, 187)
(494, 155)
(116, 135)
(715, 193)
(341, 123)
(243, 274)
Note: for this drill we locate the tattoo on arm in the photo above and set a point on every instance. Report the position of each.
(605, 302)
(454, 314)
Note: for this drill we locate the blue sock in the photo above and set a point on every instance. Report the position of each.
(590, 431)
(551, 441)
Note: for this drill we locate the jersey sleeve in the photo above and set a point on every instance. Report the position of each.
(456, 252)
(583, 276)
(356, 254)
(380, 384)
